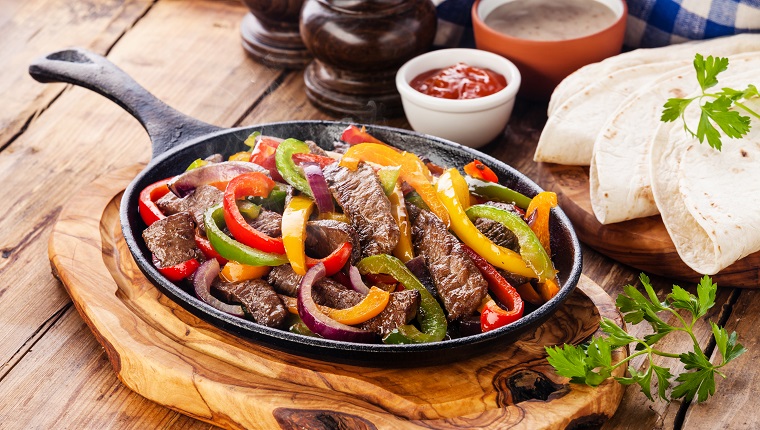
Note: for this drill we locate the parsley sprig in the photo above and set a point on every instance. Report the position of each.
(591, 363)
(717, 112)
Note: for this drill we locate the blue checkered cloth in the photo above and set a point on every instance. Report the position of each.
(654, 23)
(651, 23)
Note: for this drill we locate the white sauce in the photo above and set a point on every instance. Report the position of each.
(550, 19)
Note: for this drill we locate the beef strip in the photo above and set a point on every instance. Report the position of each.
(363, 200)
(258, 299)
(498, 233)
(196, 203)
(284, 280)
(460, 285)
(172, 239)
(268, 222)
(402, 308)
(326, 292)
(325, 236)
(316, 149)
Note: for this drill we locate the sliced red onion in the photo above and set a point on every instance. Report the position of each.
(356, 281)
(202, 280)
(320, 323)
(187, 182)
(318, 186)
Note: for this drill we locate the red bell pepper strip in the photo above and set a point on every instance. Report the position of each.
(493, 316)
(208, 251)
(499, 287)
(321, 160)
(254, 184)
(353, 135)
(333, 262)
(146, 204)
(263, 155)
(478, 170)
(179, 271)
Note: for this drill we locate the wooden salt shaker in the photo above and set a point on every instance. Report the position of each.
(358, 45)
(270, 33)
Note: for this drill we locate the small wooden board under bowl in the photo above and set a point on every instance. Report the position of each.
(165, 354)
(642, 243)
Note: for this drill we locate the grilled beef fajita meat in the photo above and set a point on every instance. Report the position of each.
(325, 236)
(268, 222)
(460, 285)
(361, 196)
(196, 203)
(258, 299)
(401, 309)
(172, 239)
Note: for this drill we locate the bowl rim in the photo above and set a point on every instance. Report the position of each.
(478, 23)
(471, 56)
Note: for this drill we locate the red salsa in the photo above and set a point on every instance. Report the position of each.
(460, 81)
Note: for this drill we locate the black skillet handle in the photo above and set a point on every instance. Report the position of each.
(166, 126)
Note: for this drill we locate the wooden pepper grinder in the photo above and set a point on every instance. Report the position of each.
(358, 45)
(270, 33)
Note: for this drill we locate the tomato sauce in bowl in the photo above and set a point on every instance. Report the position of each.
(460, 81)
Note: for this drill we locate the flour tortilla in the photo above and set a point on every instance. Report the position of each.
(709, 200)
(619, 174)
(569, 134)
(591, 73)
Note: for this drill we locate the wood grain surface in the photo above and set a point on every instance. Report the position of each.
(167, 355)
(53, 371)
(642, 243)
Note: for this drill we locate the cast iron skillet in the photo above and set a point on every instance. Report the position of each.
(178, 140)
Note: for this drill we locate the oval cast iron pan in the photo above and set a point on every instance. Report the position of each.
(178, 140)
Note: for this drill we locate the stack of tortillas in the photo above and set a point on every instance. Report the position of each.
(607, 116)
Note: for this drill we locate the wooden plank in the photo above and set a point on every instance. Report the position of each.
(83, 135)
(30, 29)
(735, 403)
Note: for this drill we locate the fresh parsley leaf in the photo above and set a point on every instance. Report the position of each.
(716, 115)
(591, 364)
(708, 70)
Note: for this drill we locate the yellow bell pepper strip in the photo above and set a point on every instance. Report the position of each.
(413, 171)
(478, 170)
(335, 216)
(146, 204)
(199, 162)
(231, 249)
(294, 218)
(403, 250)
(249, 184)
(370, 306)
(238, 272)
(541, 205)
(466, 231)
(497, 192)
(531, 250)
(240, 156)
(283, 159)
(430, 315)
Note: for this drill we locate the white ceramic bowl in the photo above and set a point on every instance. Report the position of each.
(471, 122)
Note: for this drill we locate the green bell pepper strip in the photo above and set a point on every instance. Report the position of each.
(430, 315)
(494, 191)
(531, 250)
(232, 249)
(283, 159)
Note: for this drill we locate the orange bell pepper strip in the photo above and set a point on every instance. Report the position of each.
(413, 171)
(237, 272)
(294, 219)
(371, 305)
(478, 170)
(403, 250)
(466, 231)
(542, 205)
(529, 294)
(548, 289)
(249, 184)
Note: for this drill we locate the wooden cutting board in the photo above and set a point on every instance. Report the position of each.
(171, 357)
(641, 243)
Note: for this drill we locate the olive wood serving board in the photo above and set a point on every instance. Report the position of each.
(165, 354)
(641, 243)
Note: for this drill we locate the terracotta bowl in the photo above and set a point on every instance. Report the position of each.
(543, 64)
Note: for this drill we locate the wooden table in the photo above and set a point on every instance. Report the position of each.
(56, 139)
